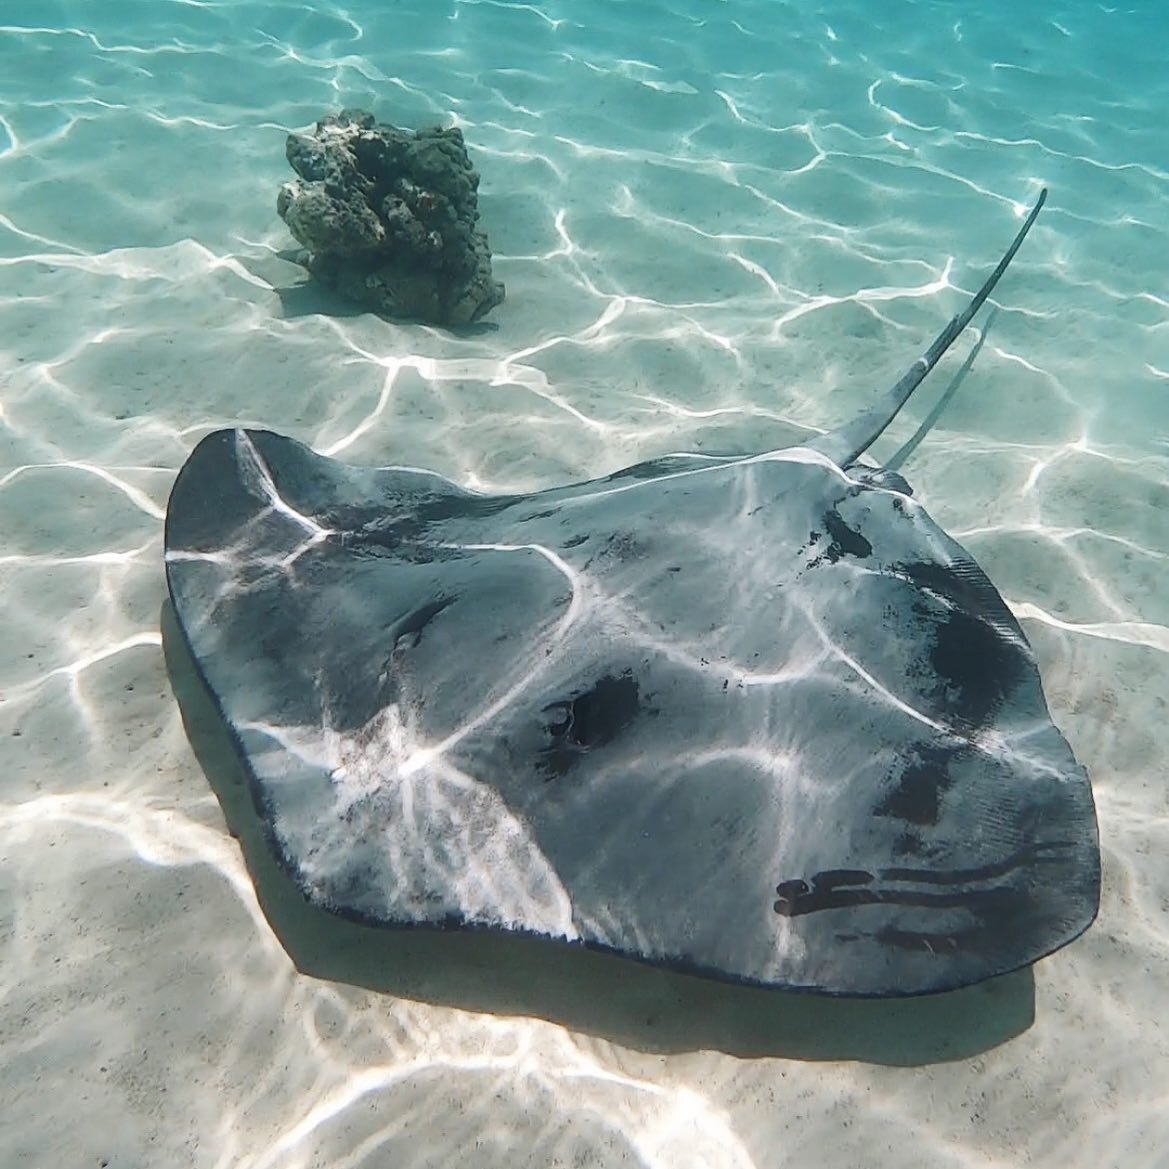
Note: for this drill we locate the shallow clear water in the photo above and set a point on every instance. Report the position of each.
(722, 225)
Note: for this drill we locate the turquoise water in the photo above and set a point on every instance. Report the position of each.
(721, 225)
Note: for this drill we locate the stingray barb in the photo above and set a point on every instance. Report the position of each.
(847, 443)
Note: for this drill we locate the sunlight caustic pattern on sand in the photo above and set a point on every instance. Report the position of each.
(722, 227)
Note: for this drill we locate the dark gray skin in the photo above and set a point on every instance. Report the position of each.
(754, 717)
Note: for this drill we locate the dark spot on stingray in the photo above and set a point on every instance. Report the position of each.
(574, 542)
(917, 793)
(980, 666)
(846, 541)
(842, 540)
(588, 720)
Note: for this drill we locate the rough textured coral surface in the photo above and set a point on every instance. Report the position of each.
(389, 218)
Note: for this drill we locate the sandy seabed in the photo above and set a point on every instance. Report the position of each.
(721, 226)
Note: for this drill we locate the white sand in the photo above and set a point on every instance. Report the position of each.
(720, 224)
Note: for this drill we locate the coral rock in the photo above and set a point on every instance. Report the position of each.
(389, 218)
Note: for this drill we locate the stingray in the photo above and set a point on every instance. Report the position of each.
(755, 717)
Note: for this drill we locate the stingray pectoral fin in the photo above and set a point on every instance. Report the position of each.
(847, 443)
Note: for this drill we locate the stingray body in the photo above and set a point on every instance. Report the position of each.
(754, 717)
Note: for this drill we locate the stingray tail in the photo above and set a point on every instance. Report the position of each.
(897, 460)
(850, 441)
